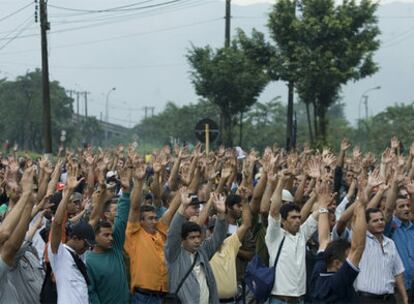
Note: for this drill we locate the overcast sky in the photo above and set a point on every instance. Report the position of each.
(144, 55)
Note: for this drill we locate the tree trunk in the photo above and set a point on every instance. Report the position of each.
(227, 129)
(289, 124)
(315, 120)
(241, 129)
(309, 123)
(322, 124)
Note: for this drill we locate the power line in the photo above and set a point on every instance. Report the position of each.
(23, 26)
(148, 13)
(119, 8)
(16, 12)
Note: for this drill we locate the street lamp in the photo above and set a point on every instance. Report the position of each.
(365, 96)
(107, 104)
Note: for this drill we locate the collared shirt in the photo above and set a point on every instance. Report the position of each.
(291, 269)
(379, 265)
(146, 253)
(223, 265)
(403, 236)
(70, 283)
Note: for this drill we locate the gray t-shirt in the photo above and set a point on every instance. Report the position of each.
(26, 274)
(8, 293)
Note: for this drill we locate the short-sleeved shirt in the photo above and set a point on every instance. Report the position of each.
(147, 260)
(223, 264)
(8, 293)
(379, 265)
(333, 287)
(402, 233)
(70, 283)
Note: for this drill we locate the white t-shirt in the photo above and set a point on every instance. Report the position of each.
(70, 284)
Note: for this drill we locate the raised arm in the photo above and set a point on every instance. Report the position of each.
(391, 198)
(359, 229)
(267, 195)
(12, 219)
(246, 214)
(172, 209)
(136, 194)
(173, 243)
(258, 192)
(324, 198)
(13, 244)
(98, 198)
(276, 200)
(212, 244)
(307, 207)
(56, 227)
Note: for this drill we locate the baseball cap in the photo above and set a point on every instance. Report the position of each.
(60, 186)
(110, 174)
(287, 196)
(76, 196)
(83, 231)
(194, 199)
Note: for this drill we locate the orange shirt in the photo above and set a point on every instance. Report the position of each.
(146, 252)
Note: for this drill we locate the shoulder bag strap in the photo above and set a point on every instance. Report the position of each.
(187, 274)
(278, 252)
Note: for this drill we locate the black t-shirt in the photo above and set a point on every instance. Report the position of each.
(332, 287)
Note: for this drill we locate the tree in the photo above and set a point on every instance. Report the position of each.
(229, 79)
(21, 110)
(319, 46)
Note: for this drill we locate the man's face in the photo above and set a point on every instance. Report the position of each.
(192, 210)
(80, 246)
(402, 209)
(193, 241)
(104, 238)
(73, 207)
(235, 211)
(292, 222)
(110, 215)
(349, 177)
(376, 223)
(149, 221)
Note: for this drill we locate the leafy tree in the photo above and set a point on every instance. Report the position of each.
(229, 79)
(319, 46)
(21, 111)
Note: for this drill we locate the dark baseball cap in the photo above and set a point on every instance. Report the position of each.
(84, 231)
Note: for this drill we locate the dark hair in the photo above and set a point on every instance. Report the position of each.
(232, 199)
(107, 206)
(336, 250)
(146, 208)
(369, 211)
(100, 225)
(286, 208)
(189, 227)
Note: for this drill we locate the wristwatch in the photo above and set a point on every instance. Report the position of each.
(323, 210)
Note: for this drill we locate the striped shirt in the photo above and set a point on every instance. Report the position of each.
(379, 266)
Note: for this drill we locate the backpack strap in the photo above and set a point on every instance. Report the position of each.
(187, 274)
(278, 252)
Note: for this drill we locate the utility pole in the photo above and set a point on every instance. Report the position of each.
(146, 108)
(227, 29)
(85, 94)
(366, 107)
(44, 27)
(77, 105)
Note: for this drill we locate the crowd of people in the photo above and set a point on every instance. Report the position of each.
(186, 226)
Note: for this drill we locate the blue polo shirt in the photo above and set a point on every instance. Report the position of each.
(333, 287)
(403, 236)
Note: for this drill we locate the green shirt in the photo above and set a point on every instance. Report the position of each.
(106, 270)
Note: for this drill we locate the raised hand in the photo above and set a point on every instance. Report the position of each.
(345, 145)
(27, 180)
(314, 167)
(185, 197)
(325, 195)
(395, 143)
(140, 170)
(244, 192)
(375, 179)
(125, 175)
(219, 203)
(72, 181)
